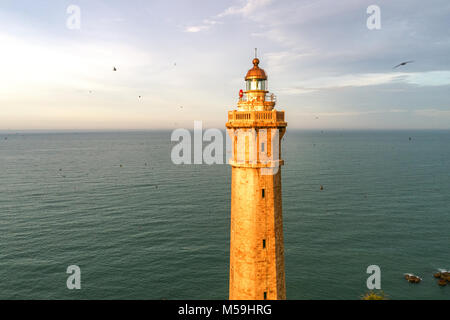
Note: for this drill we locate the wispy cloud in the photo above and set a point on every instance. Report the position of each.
(318, 115)
(431, 78)
(206, 25)
(247, 9)
(196, 28)
(435, 113)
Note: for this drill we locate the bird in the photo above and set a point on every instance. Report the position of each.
(114, 69)
(139, 97)
(403, 63)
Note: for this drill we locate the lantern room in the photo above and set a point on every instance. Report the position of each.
(256, 96)
(256, 78)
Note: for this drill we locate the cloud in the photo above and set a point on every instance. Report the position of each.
(196, 28)
(435, 113)
(348, 113)
(248, 8)
(207, 23)
(430, 78)
(341, 81)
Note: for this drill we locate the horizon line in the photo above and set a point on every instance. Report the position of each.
(115, 130)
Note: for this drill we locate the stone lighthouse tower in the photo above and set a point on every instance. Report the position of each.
(256, 241)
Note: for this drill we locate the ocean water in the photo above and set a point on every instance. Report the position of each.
(140, 227)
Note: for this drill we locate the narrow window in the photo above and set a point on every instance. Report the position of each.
(265, 295)
(262, 147)
(264, 243)
(263, 193)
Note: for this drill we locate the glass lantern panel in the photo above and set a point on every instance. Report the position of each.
(255, 84)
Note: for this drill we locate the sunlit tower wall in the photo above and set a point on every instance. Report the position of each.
(256, 240)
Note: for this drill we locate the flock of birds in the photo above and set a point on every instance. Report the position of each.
(442, 275)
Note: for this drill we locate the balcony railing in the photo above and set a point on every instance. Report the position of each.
(269, 97)
(269, 116)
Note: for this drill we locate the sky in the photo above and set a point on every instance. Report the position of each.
(188, 59)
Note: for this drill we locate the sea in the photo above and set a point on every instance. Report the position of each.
(141, 227)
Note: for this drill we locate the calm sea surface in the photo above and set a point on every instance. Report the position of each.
(141, 227)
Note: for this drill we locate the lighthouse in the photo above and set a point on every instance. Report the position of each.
(256, 239)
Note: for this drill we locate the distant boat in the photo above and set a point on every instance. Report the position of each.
(412, 278)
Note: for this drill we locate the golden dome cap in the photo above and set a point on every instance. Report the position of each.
(256, 72)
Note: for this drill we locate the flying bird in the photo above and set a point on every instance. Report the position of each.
(114, 69)
(403, 63)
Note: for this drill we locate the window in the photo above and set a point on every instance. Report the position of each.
(264, 243)
(265, 295)
(262, 147)
(255, 84)
(263, 192)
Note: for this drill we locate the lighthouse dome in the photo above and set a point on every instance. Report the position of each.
(256, 72)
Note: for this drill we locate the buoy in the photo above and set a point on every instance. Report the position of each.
(321, 187)
(442, 282)
(412, 278)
